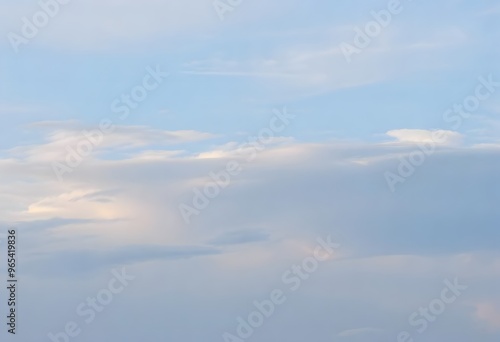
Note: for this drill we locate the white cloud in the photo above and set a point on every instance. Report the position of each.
(125, 210)
(69, 134)
(153, 183)
(315, 67)
(415, 136)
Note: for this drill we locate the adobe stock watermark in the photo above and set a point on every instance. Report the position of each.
(122, 106)
(92, 306)
(221, 179)
(223, 6)
(292, 280)
(455, 116)
(372, 29)
(31, 27)
(422, 318)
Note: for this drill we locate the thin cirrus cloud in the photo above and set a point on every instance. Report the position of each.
(123, 137)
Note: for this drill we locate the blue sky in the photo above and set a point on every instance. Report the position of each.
(357, 160)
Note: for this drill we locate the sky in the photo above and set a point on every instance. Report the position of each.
(262, 171)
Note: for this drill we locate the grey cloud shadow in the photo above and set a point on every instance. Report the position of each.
(73, 262)
(240, 237)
